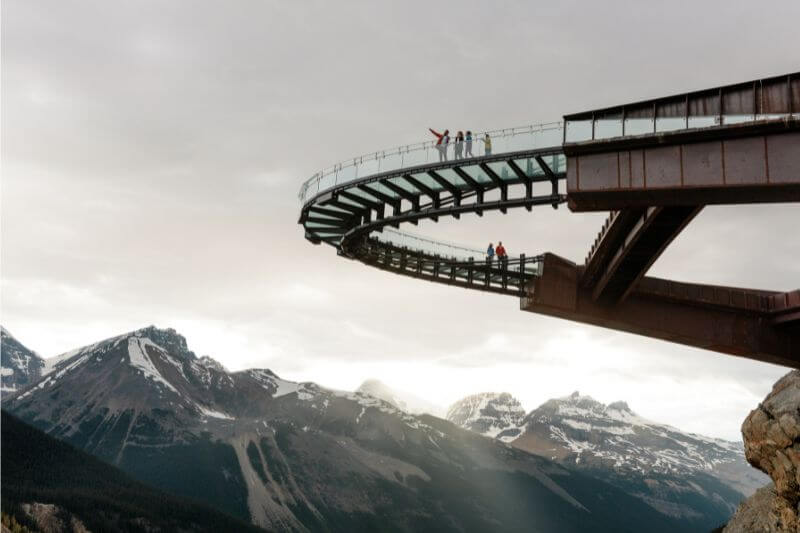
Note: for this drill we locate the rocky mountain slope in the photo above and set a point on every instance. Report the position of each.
(496, 415)
(19, 366)
(295, 457)
(695, 478)
(51, 486)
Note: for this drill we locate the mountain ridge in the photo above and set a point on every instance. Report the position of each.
(678, 473)
(296, 456)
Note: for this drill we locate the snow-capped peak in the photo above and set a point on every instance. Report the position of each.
(492, 414)
(585, 429)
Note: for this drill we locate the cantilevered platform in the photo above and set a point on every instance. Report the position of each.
(654, 164)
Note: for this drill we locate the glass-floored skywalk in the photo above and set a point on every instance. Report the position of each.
(353, 204)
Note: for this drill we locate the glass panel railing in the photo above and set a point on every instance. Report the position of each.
(368, 166)
(638, 126)
(670, 123)
(450, 252)
(428, 246)
(578, 130)
(408, 156)
(737, 119)
(608, 128)
(668, 116)
(703, 121)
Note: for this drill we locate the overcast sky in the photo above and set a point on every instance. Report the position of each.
(152, 152)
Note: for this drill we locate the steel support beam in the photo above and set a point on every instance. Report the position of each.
(742, 322)
(636, 250)
(497, 181)
(735, 165)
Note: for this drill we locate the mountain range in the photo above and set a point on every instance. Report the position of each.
(681, 474)
(299, 457)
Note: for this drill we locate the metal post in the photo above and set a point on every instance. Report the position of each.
(655, 116)
(686, 112)
(488, 273)
(521, 273)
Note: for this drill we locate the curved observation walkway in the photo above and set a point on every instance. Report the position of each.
(654, 164)
(353, 204)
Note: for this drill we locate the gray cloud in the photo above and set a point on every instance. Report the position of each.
(152, 153)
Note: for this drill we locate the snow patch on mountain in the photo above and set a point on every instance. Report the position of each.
(278, 387)
(214, 414)
(137, 354)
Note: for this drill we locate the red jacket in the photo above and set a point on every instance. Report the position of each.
(439, 136)
(501, 251)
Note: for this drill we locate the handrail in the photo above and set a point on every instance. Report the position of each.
(403, 237)
(399, 153)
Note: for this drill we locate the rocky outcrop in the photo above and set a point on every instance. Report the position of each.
(772, 444)
(53, 519)
(764, 511)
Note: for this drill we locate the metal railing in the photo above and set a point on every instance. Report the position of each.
(752, 101)
(428, 252)
(504, 140)
(445, 250)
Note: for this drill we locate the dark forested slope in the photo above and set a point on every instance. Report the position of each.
(39, 468)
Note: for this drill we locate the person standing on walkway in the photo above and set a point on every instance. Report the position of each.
(490, 253)
(487, 143)
(501, 253)
(442, 139)
(459, 146)
(468, 145)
